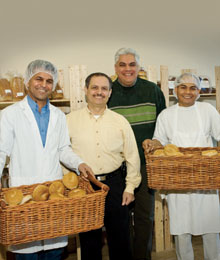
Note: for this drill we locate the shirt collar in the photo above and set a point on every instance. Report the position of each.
(91, 114)
(34, 106)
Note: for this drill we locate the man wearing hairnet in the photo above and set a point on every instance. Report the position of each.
(190, 124)
(33, 133)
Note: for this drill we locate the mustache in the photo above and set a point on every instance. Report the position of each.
(99, 95)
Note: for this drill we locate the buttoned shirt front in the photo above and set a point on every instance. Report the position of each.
(104, 143)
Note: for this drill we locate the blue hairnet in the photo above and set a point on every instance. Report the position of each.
(37, 66)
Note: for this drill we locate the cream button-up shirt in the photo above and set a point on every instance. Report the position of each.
(104, 142)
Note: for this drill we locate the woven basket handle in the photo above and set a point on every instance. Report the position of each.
(98, 183)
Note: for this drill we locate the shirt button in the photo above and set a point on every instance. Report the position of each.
(100, 169)
(97, 132)
(97, 143)
(98, 156)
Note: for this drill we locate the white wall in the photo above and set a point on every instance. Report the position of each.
(180, 34)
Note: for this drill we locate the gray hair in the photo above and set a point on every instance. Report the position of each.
(37, 66)
(123, 51)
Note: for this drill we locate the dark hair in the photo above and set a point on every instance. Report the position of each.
(98, 74)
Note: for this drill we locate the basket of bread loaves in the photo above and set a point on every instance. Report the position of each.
(51, 209)
(177, 168)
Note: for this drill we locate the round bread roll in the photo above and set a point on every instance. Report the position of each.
(56, 187)
(56, 196)
(171, 149)
(41, 193)
(71, 180)
(76, 193)
(209, 153)
(177, 154)
(26, 199)
(159, 152)
(31, 201)
(13, 197)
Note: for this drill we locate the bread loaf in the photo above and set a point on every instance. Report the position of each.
(18, 88)
(5, 90)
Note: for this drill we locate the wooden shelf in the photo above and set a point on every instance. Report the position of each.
(55, 102)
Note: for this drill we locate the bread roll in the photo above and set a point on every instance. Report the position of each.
(56, 187)
(13, 196)
(70, 180)
(76, 193)
(56, 196)
(26, 199)
(209, 153)
(41, 193)
(171, 149)
(159, 152)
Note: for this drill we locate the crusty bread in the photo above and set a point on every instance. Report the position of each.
(56, 196)
(41, 193)
(171, 149)
(26, 199)
(70, 180)
(76, 193)
(209, 153)
(159, 152)
(56, 187)
(18, 88)
(13, 196)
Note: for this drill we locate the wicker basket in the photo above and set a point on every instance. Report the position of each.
(189, 172)
(52, 218)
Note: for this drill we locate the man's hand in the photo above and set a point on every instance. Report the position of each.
(127, 198)
(85, 170)
(150, 145)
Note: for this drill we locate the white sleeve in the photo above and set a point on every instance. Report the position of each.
(160, 132)
(215, 123)
(67, 156)
(6, 138)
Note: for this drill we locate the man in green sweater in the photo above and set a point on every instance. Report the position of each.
(140, 101)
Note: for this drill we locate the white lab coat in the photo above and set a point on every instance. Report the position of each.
(30, 162)
(195, 212)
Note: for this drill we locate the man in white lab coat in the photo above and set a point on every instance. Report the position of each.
(33, 133)
(190, 124)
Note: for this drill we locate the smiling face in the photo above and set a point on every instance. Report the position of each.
(127, 69)
(98, 92)
(187, 94)
(40, 87)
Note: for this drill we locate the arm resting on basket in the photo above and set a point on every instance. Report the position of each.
(98, 183)
(85, 170)
(150, 145)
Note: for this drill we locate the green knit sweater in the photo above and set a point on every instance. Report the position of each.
(140, 104)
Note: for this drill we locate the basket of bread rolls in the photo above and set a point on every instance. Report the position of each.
(51, 209)
(178, 168)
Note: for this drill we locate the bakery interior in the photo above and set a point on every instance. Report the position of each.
(82, 37)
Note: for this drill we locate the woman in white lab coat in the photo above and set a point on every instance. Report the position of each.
(190, 124)
(35, 156)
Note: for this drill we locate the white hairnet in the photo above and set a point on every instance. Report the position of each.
(37, 66)
(186, 77)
